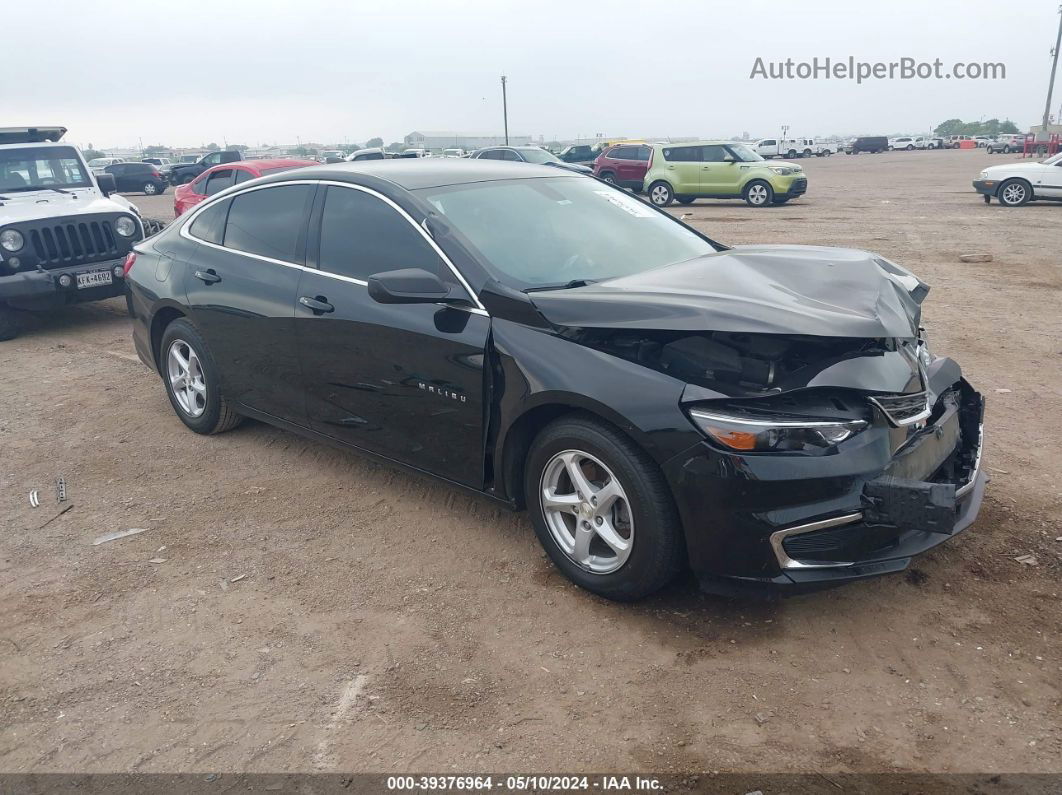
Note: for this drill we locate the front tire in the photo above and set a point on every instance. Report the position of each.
(1014, 193)
(758, 193)
(9, 325)
(661, 195)
(807, 153)
(910, 148)
(192, 381)
(185, 179)
(602, 509)
(608, 177)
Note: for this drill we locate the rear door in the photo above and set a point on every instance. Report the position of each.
(243, 278)
(402, 380)
(683, 169)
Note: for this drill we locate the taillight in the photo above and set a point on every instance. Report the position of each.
(649, 164)
(128, 265)
(156, 175)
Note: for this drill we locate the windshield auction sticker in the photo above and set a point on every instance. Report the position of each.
(626, 203)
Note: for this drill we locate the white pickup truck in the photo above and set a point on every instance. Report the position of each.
(794, 147)
(64, 231)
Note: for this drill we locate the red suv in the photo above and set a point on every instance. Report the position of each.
(624, 165)
(227, 174)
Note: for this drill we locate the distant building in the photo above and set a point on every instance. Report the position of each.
(435, 140)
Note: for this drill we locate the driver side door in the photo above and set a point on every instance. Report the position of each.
(720, 172)
(405, 381)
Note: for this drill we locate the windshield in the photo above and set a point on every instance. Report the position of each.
(539, 156)
(744, 154)
(1052, 161)
(41, 167)
(555, 230)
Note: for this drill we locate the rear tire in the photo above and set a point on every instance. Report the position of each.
(661, 194)
(185, 179)
(807, 153)
(910, 147)
(201, 405)
(644, 516)
(791, 154)
(150, 188)
(9, 325)
(758, 193)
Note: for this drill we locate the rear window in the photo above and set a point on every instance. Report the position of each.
(269, 222)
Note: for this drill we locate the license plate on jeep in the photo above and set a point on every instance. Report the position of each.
(93, 279)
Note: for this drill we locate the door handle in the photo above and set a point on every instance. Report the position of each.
(318, 305)
(208, 276)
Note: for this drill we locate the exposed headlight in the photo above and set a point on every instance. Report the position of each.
(125, 226)
(783, 170)
(766, 434)
(12, 240)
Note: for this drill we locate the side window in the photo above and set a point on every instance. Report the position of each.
(683, 154)
(269, 222)
(490, 154)
(713, 153)
(509, 154)
(116, 170)
(218, 181)
(361, 235)
(212, 159)
(243, 175)
(769, 142)
(209, 225)
(622, 153)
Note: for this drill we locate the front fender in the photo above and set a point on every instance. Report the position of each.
(535, 368)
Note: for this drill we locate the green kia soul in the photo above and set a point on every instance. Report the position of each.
(719, 170)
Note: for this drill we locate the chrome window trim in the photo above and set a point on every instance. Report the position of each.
(786, 562)
(185, 232)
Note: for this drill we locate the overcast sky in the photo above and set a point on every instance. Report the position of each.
(191, 72)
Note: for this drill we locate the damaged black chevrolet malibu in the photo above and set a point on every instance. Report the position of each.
(768, 416)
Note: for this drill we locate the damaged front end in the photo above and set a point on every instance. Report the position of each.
(826, 455)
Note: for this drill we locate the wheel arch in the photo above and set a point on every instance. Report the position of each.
(159, 321)
(521, 433)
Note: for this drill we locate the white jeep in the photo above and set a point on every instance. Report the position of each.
(64, 231)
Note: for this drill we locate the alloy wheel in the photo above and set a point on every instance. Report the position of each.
(1013, 193)
(587, 511)
(660, 195)
(150, 189)
(187, 380)
(758, 194)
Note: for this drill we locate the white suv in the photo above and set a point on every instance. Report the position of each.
(64, 233)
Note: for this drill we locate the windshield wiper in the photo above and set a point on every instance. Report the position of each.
(565, 286)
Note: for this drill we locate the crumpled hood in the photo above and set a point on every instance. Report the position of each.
(38, 204)
(763, 289)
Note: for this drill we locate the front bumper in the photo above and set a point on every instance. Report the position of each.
(775, 522)
(39, 289)
(986, 187)
(791, 188)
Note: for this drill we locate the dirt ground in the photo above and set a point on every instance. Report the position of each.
(291, 607)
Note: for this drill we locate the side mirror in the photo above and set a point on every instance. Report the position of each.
(106, 183)
(407, 286)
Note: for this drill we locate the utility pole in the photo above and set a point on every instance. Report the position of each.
(1054, 68)
(505, 111)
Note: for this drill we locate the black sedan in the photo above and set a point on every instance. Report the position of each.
(766, 415)
(528, 154)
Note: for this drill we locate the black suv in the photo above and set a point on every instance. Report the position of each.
(137, 178)
(867, 143)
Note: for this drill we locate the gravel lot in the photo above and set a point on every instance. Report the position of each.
(292, 607)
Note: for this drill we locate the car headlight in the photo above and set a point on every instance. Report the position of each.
(783, 170)
(768, 434)
(125, 226)
(12, 240)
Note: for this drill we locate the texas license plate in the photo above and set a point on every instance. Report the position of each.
(93, 279)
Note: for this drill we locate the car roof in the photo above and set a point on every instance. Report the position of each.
(22, 135)
(418, 173)
(716, 142)
(260, 165)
